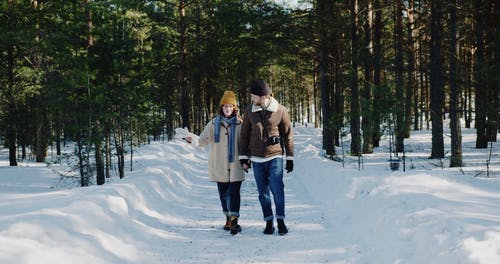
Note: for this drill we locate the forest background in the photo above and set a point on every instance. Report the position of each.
(112, 75)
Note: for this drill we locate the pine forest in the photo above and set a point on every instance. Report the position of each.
(110, 76)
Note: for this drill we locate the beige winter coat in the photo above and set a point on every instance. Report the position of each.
(219, 168)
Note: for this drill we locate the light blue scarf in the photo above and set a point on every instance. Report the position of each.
(231, 122)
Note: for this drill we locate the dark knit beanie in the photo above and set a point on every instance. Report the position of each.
(260, 88)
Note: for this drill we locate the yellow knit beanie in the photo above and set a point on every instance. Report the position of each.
(228, 98)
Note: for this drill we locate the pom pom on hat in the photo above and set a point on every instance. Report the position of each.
(228, 98)
(260, 88)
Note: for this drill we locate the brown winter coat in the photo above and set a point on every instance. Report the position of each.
(259, 124)
(219, 168)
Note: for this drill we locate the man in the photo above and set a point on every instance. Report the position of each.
(266, 130)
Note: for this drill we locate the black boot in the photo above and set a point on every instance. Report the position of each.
(269, 230)
(235, 228)
(227, 226)
(282, 230)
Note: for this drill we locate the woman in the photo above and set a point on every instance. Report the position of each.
(222, 134)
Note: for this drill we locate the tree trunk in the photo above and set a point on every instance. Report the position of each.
(11, 135)
(108, 156)
(411, 110)
(81, 161)
(339, 96)
(131, 144)
(99, 163)
(328, 124)
(11, 112)
(88, 17)
(41, 128)
(436, 79)
(491, 76)
(480, 100)
(355, 123)
(120, 152)
(183, 76)
(197, 77)
(468, 90)
(456, 133)
(41, 135)
(367, 121)
(58, 133)
(377, 72)
(399, 67)
(99, 160)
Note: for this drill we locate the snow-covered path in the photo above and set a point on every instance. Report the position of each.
(166, 211)
(199, 232)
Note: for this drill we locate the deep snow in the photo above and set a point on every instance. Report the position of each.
(166, 211)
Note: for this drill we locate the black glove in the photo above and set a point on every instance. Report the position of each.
(289, 166)
(246, 162)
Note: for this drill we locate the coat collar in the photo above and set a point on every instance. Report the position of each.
(271, 106)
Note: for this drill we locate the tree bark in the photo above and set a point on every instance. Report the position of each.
(411, 110)
(367, 121)
(183, 76)
(88, 16)
(41, 135)
(107, 155)
(339, 97)
(328, 124)
(456, 133)
(491, 76)
(377, 72)
(480, 100)
(436, 80)
(468, 87)
(99, 163)
(11, 134)
(120, 149)
(355, 122)
(399, 67)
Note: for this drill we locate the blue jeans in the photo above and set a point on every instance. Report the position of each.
(229, 194)
(269, 176)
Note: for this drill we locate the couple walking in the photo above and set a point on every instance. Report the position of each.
(259, 142)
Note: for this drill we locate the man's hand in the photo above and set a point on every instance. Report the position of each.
(246, 164)
(289, 166)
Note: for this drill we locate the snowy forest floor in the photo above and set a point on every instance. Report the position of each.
(166, 210)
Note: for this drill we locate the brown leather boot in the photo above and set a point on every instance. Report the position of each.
(235, 228)
(227, 226)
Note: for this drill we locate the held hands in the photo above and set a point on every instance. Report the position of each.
(246, 164)
(289, 166)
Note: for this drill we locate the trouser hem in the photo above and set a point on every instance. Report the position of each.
(237, 214)
(268, 218)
